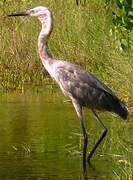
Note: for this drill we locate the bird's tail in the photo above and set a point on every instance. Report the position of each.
(118, 107)
(121, 110)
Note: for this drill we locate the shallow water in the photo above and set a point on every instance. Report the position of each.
(40, 138)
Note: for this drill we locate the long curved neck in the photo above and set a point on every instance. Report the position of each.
(42, 39)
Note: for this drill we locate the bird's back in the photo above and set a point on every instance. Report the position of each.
(88, 90)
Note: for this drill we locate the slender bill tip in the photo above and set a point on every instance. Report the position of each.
(18, 14)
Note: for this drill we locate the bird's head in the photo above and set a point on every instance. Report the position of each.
(38, 11)
(42, 13)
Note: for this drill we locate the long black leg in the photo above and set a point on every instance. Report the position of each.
(85, 142)
(78, 109)
(104, 132)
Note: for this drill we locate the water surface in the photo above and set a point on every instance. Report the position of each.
(40, 138)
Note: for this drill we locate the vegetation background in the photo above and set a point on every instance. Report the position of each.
(89, 33)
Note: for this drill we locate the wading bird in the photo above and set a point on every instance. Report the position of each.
(83, 88)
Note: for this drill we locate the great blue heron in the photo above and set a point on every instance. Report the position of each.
(83, 88)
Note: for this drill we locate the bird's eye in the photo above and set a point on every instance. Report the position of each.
(32, 11)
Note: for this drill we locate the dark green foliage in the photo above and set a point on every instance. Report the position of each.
(122, 18)
(80, 2)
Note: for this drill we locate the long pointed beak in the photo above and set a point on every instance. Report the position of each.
(19, 14)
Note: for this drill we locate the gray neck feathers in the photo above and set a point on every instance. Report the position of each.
(46, 21)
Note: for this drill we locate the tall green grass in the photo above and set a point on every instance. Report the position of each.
(81, 34)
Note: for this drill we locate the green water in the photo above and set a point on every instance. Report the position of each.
(40, 138)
